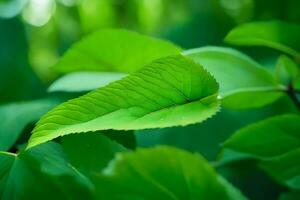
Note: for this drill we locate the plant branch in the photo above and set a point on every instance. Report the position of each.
(293, 95)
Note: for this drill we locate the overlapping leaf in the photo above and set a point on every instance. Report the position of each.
(91, 152)
(276, 143)
(84, 81)
(243, 82)
(41, 173)
(162, 173)
(15, 117)
(114, 50)
(279, 35)
(172, 91)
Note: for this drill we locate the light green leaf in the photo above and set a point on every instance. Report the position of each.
(41, 173)
(84, 81)
(90, 152)
(285, 168)
(286, 70)
(268, 138)
(172, 91)
(114, 50)
(279, 35)
(162, 173)
(243, 82)
(15, 116)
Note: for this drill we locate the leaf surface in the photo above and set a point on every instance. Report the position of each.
(41, 173)
(162, 173)
(172, 91)
(284, 168)
(287, 70)
(267, 138)
(90, 152)
(15, 117)
(278, 35)
(84, 81)
(114, 50)
(275, 142)
(243, 82)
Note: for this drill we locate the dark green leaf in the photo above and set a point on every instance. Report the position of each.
(90, 152)
(286, 70)
(285, 168)
(290, 196)
(41, 173)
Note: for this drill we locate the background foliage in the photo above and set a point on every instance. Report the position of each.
(250, 145)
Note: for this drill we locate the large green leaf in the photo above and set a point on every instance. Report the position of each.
(162, 173)
(279, 35)
(243, 82)
(84, 81)
(41, 173)
(172, 91)
(16, 116)
(114, 50)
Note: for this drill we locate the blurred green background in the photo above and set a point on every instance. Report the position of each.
(35, 33)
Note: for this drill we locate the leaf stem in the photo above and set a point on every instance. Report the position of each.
(292, 94)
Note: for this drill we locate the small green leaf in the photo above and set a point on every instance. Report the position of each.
(41, 173)
(114, 50)
(243, 82)
(285, 168)
(268, 138)
(279, 35)
(172, 91)
(286, 70)
(15, 116)
(84, 81)
(162, 173)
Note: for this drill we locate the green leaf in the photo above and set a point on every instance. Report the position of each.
(15, 116)
(90, 152)
(268, 138)
(17, 79)
(41, 173)
(290, 196)
(162, 173)
(286, 70)
(114, 50)
(243, 82)
(84, 81)
(278, 35)
(275, 142)
(125, 138)
(172, 91)
(285, 168)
